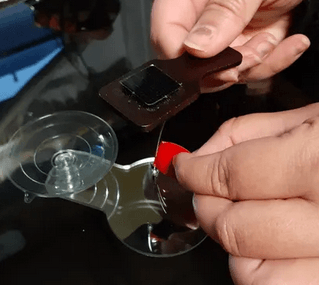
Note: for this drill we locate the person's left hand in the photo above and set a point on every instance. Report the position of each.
(258, 29)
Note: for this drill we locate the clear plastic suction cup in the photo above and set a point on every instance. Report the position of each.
(62, 154)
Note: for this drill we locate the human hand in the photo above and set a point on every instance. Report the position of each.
(256, 28)
(256, 193)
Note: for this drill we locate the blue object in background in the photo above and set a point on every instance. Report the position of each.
(18, 69)
(35, 48)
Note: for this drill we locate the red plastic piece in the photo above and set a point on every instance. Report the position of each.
(164, 157)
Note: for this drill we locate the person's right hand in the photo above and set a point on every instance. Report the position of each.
(256, 185)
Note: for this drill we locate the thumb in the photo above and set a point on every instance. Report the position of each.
(221, 22)
(274, 167)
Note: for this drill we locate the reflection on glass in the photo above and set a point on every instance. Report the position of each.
(149, 221)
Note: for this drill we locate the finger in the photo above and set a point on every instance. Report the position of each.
(221, 22)
(246, 271)
(243, 270)
(268, 168)
(286, 53)
(255, 126)
(171, 22)
(277, 24)
(258, 46)
(272, 229)
(252, 52)
(213, 85)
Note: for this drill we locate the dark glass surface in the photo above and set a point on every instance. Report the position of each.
(55, 241)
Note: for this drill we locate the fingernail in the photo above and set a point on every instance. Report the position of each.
(302, 47)
(194, 201)
(164, 157)
(306, 41)
(219, 81)
(193, 226)
(230, 75)
(199, 38)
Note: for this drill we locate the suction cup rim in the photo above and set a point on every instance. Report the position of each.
(33, 128)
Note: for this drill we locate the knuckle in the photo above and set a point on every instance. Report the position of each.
(309, 151)
(268, 37)
(226, 235)
(310, 129)
(313, 122)
(227, 129)
(251, 56)
(220, 177)
(306, 152)
(231, 8)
